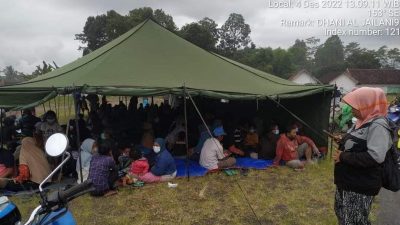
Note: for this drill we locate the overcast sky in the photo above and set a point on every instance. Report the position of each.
(32, 31)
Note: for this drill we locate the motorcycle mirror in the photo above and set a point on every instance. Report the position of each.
(56, 144)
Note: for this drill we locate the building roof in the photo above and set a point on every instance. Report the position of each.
(328, 77)
(375, 76)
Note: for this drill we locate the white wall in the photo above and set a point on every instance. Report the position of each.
(304, 78)
(344, 82)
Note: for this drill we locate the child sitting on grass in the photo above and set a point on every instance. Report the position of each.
(103, 171)
(124, 161)
(139, 167)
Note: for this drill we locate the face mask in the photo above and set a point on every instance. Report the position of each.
(276, 132)
(103, 136)
(297, 130)
(353, 120)
(156, 149)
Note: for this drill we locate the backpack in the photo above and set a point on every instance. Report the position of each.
(391, 165)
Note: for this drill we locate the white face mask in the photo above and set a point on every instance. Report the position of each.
(156, 149)
(275, 132)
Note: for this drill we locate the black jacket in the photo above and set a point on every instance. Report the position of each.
(364, 150)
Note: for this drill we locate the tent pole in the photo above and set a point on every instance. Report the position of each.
(257, 103)
(186, 131)
(55, 107)
(76, 95)
(44, 108)
(333, 119)
(65, 110)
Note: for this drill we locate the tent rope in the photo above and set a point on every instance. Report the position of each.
(248, 202)
(209, 132)
(299, 119)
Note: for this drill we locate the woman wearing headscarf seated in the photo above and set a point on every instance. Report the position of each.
(88, 148)
(164, 168)
(33, 166)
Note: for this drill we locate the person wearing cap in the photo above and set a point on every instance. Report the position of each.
(212, 154)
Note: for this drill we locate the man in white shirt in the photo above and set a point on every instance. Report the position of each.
(212, 154)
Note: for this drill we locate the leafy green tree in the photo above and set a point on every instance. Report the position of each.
(298, 53)
(282, 63)
(259, 58)
(137, 16)
(196, 34)
(330, 56)
(312, 44)
(12, 75)
(203, 33)
(101, 29)
(212, 27)
(44, 68)
(360, 58)
(381, 53)
(165, 20)
(393, 56)
(234, 34)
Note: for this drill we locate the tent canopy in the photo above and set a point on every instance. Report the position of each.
(150, 60)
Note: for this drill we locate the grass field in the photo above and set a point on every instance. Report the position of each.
(278, 196)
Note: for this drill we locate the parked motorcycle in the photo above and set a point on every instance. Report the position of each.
(53, 208)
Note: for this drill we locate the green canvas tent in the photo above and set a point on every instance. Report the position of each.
(149, 60)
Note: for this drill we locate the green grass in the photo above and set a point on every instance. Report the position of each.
(278, 196)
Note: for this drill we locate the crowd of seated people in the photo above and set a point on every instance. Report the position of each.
(123, 144)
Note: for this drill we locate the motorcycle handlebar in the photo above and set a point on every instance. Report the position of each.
(64, 196)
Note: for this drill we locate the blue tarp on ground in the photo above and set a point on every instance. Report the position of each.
(195, 170)
(250, 163)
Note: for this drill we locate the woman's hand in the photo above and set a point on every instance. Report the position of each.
(336, 156)
(337, 138)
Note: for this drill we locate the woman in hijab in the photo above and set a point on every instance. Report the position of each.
(358, 171)
(164, 168)
(33, 167)
(88, 148)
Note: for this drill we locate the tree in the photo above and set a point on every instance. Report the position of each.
(165, 20)
(212, 27)
(234, 34)
(12, 75)
(360, 58)
(260, 58)
(45, 68)
(381, 53)
(196, 34)
(298, 54)
(203, 33)
(104, 28)
(312, 44)
(282, 63)
(393, 56)
(330, 56)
